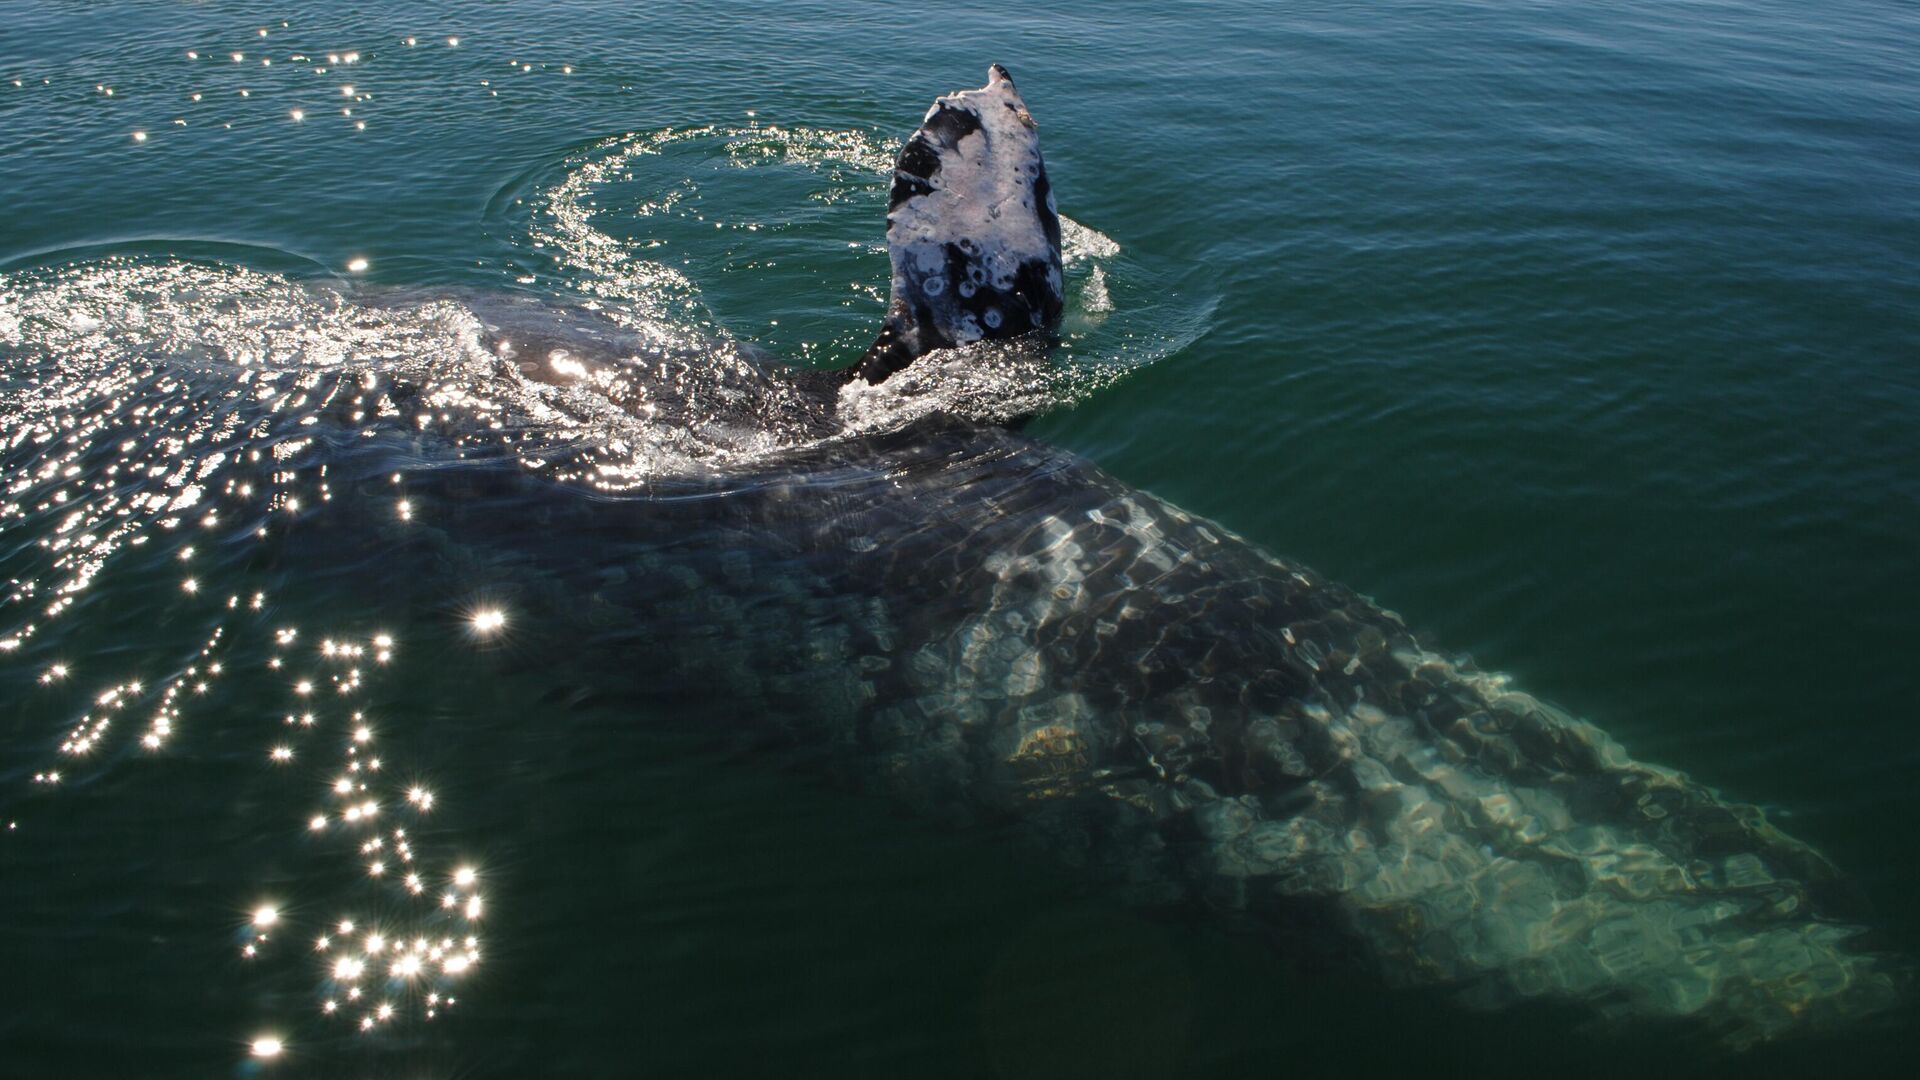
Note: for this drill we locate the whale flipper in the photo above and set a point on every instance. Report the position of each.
(971, 229)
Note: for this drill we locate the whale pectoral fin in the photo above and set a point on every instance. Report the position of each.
(972, 231)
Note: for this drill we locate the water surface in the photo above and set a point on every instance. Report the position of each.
(1582, 336)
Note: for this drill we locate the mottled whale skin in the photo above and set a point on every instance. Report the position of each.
(972, 230)
(998, 634)
(992, 631)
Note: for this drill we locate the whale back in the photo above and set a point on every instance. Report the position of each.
(972, 231)
(993, 632)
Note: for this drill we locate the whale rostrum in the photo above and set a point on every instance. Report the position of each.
(972, 231)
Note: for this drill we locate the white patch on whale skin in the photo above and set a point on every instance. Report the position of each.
(984, 194)
(985, 188)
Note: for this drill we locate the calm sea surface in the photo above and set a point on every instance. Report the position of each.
(1585, 336)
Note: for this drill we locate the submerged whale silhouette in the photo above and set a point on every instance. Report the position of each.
(990, 630)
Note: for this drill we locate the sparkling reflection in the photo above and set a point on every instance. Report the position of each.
(176, 436)
(116, 458)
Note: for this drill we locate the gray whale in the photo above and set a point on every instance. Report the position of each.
(990, 630)
(997, 633)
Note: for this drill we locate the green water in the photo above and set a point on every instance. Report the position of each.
(1583, 336)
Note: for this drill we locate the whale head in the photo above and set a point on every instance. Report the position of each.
(971, 229)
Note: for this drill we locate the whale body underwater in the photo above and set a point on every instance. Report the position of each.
(995, 632)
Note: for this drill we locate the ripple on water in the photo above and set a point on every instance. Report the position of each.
(167, 404)
(167, 420)
(627, 375)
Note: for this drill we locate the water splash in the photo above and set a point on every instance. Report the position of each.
(168, 425)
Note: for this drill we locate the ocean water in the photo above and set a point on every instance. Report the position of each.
(1582, 336)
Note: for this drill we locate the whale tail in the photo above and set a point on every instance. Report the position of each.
(971, 230)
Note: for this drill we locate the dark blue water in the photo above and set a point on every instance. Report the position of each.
(1583, 336)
